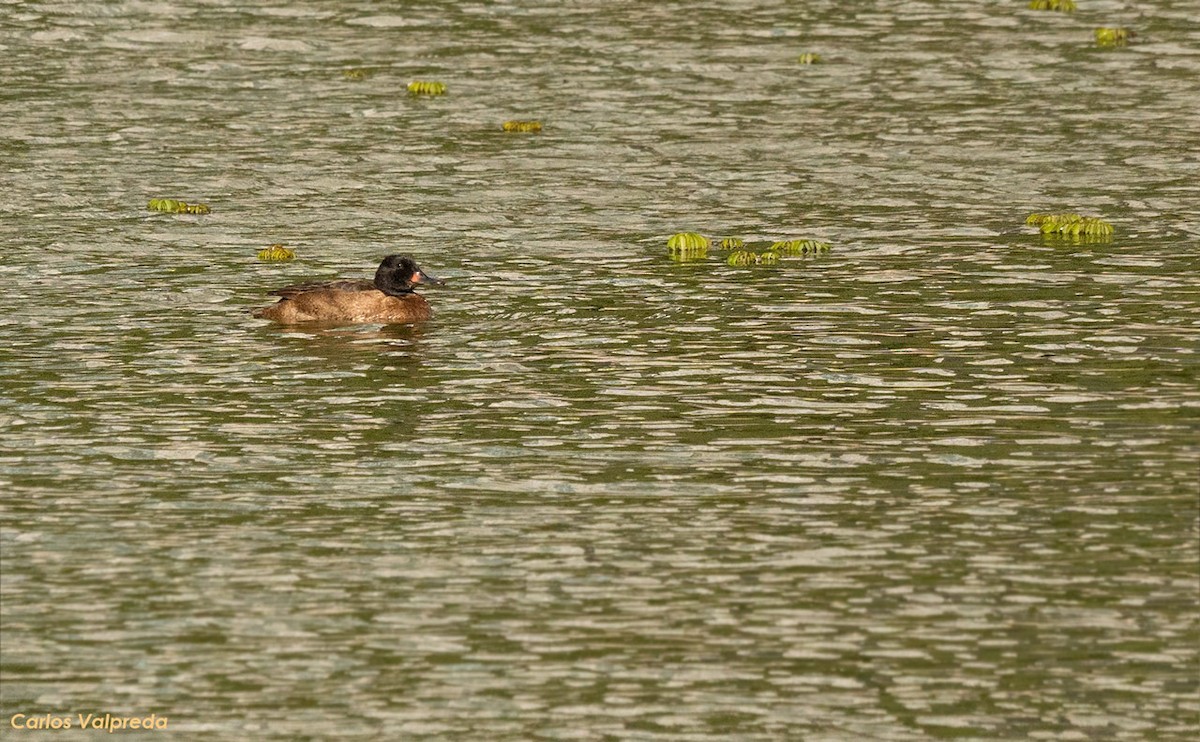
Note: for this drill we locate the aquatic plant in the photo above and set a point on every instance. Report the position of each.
(173, 206)
(688, 241)
(687, 246)
(529, 127)
(809, 58)
(426, 88)
(355, 74)
(1069, 225)
(800, 247)
(1113, 36)
(741, 258)
(276, 252)
(1062, 6)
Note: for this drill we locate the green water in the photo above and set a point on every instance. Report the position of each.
(940, 482)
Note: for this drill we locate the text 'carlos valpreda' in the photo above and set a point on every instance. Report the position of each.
(105, 722)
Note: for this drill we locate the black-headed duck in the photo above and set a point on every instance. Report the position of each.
(387, 299)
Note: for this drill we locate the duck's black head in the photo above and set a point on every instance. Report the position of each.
(398, 274)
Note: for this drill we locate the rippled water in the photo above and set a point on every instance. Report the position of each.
(940, 482)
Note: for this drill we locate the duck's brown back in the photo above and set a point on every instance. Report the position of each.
(335, 305)
(296, 289)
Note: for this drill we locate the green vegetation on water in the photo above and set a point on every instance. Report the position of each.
(173, 206)
(276, 253)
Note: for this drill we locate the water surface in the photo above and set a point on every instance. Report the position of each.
(941, 482)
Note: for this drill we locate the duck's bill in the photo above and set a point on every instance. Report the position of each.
(423, 277)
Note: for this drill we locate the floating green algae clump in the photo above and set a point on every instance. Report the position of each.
(355, 74)
(688, 246)
(173, 206)
(427, 88)
(800, 247)
(1062, 6)
(741, 258)
(1070, 225)
(276, 253)
(527, 127)
(809, 58)
(773, 254)
(1113, 36)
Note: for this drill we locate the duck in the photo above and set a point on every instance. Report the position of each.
(388, 299)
